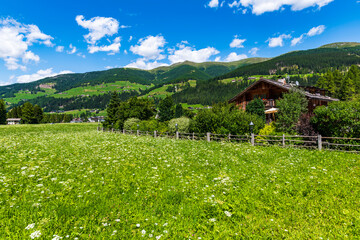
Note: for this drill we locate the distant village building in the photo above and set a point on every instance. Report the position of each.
(269, 91)
(13, 121)
(96, 119)
(76, 120)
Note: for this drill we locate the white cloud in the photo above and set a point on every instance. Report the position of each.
(98, 27)
(150, 47)
(278, 41)
(72, 50)
(235, 4)
(237, 43)
(59, 48)
(316, 31)
(30, 56)
(312, 32)
(254, 51)
(143, 63)
(15, 40)
(130, 38)
(218, 59)
(261, 6)
(296, 41)
(232, 57)
(39, 75)
(112, 48)
(213, 4)
(187, 53)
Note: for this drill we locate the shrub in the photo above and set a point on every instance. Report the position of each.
(291, 106)
(226, 118)
(131, 123)
(304, 126)
(153, 125)
(257, 107)
(338, 119)
(184, 124)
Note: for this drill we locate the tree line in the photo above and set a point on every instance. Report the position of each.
(31, 114)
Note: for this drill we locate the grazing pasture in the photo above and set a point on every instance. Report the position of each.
(72, 182)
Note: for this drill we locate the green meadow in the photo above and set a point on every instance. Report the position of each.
(67, 181)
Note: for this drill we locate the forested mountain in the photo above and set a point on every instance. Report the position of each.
(178, 72)
(303, 62)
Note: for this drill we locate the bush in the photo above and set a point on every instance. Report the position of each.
(291, 107)
(257, 107)
(338, 119)
(153, 125)
(304, 126)
(131, 123)
(226, 118)
(268, 130)
(184, 124)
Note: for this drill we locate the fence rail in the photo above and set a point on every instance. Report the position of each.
(297, 141)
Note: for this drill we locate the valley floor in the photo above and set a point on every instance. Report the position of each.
(70, 181)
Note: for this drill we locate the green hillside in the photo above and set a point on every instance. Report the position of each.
(302, 62)
(118, 79)
(341, 45)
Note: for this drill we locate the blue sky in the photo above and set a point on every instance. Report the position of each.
(44, 38)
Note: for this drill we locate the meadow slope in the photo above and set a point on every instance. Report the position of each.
(73, 182)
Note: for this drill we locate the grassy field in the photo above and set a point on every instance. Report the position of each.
(72, 182)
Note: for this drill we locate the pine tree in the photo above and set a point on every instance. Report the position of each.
(38, 114)
(28, 116)
(346, 90)
(166, 109)
(112, 109)
(2, 112)
(179, 111)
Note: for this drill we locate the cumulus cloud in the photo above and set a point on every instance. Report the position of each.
(150, 47)
(259, 7)
(254, 51)
(187, 53)
(98, 27)
(237, 43)
(213, 4)
(39, 75)
(59, 48)
(235, 4)
(112, 48)
(278, 41)
(316, 31)
(15, 40)
(145, 64)
(232, 57)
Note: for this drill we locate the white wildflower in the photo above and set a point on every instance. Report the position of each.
(143, 232)
(228, 213)
(212, 219)
(117, 220)
(30, 226)
(138, 225)
(56, 237)
(35, 234)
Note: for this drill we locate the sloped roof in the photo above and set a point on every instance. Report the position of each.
(286, 87)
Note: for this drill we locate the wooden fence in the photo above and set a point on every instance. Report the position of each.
(297, 141)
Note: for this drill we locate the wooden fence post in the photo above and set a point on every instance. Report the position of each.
(112, 130)
(208, 137)
(154, 134)
(138, 132)
(252, 139)
(124, 131)
(229, 137)
(177, 135)
(193, 136)
(283, 140)
(319, 142)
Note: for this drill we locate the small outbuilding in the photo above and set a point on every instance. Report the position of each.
(13, 121)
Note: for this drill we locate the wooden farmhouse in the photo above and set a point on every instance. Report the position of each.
(269, 91)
